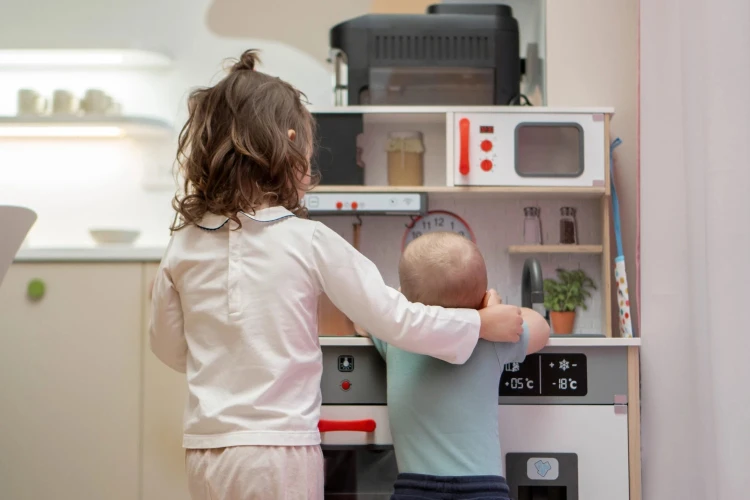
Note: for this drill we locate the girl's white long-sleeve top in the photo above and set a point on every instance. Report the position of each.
(236, 310)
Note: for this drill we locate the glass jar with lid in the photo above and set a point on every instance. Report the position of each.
(532, 226)
(568, 226)
(405, 151)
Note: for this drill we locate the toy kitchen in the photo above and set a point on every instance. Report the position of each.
(426, 136)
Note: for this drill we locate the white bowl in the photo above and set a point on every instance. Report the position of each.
(114, 236)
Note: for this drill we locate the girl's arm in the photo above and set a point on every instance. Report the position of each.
(167, 333)
(355, 286)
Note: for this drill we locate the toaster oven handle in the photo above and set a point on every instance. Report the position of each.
(463, 159)
(347, 425)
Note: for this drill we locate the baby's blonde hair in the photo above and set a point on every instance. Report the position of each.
(443, 269)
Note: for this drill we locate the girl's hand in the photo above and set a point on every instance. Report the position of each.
(501, 323)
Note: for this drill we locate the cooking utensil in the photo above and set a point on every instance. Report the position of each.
(623, 297)
(331, 321)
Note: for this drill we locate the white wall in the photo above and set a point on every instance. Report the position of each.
(78, 184)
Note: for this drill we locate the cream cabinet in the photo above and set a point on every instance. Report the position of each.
(70, 366)
(164, 395)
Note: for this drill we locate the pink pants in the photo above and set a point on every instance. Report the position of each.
(255, 473)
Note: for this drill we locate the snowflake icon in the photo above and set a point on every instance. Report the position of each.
(512, 367)
(564, 365)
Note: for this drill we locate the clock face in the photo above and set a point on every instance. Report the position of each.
(437, 221)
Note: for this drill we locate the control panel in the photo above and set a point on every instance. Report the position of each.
(353, 375)
(356, 375)
(366, 203)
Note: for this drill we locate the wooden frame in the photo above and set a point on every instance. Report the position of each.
(634, 423)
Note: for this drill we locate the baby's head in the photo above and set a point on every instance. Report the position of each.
(247, 144)
(443, 269)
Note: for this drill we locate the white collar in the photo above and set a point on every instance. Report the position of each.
(212, 222)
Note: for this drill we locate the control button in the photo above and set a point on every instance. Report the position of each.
(486, 145)
(486, 165)
(339, 205)
(346, 363)
(354, 205)
(542, 468)
(346, 385)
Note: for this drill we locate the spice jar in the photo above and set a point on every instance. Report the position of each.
(405, 151)
(532, 226)
(568, 226)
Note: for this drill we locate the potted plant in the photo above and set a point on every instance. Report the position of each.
(563, 296)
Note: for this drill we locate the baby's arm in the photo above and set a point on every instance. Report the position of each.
(166, 332)
(355, 286)
(538, 330)
(535, 323)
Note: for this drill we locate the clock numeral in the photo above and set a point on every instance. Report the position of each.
(426, 225)
(439, 221)
(416, 234)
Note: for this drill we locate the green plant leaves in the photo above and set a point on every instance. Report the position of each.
(569, 291)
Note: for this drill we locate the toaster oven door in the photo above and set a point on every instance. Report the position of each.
(414, 86)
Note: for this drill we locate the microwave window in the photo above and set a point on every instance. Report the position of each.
(549, 150)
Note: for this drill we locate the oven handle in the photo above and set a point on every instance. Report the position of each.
(347, 425)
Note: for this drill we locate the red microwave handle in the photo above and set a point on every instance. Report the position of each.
(463, 159)
(347, 425)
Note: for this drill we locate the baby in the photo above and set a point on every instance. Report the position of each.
(443, 417)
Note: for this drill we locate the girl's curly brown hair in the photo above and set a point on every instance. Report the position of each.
(235, 152)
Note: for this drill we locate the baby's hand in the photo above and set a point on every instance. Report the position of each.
(491, 298)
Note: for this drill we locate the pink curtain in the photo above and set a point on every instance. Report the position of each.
(695, 248)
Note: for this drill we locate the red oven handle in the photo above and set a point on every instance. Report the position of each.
(463, 159)
(347, 425)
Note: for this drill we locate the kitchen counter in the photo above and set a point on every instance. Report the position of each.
(568, 341)
(111, 253)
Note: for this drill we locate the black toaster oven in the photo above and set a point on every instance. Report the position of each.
(455, 54)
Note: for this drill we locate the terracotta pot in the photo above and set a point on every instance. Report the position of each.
(562, 322)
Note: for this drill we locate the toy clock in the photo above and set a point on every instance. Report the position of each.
(436, 221)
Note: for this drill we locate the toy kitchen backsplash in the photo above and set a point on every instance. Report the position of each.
(496, 225)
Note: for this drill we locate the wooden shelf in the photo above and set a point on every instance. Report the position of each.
(527, 249)
(81, 127)
(517, 191)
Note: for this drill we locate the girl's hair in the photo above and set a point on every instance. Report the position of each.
(235, 152)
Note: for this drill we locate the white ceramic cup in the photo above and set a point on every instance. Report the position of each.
(64, 102)
(31, 103)
(96, 102)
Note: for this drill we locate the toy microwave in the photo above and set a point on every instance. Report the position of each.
(540, 149)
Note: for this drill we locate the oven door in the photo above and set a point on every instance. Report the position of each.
(360, 463)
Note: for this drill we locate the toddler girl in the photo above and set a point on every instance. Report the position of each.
(235, 298)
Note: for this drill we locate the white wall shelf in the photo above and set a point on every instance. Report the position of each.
(112, 127)
(46, 59)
